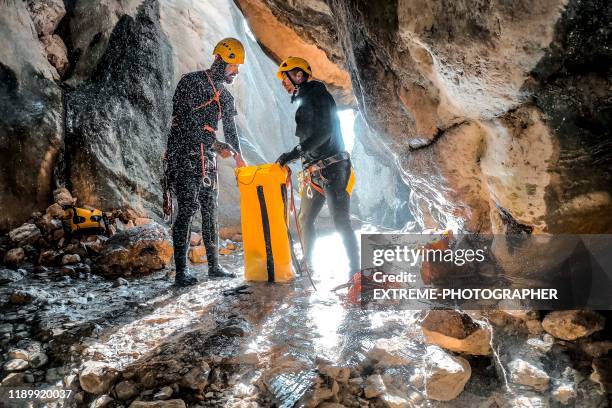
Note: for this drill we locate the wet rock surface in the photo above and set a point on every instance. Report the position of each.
(136, 251)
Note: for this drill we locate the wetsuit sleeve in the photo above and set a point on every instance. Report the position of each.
(314, 121)
(228, 112)
(191, 96)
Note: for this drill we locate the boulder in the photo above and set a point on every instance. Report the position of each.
(97, 377)
(25, 234)
(197, 254)
(126, 390)
(57, 54)
(46, 15)
(197, 378)
(16, 364)
(526, 373)
(195, 239)
(13, 379)
(390, 352)
(62, 197)
(456, 331)
(136, 251)
(602, 373)
(14, 256)
(573, 324)
(71, 259)
(55, 211)
(564, 393)
(374, 386)
(446, 375)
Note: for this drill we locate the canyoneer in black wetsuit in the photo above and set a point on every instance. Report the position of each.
(328, 174)
(200, 102)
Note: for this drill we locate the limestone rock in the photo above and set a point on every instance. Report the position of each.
(197, 254)
(13, 379)
(573, 324)
(136, 251)
(456, 332)
(390, 352)
(71, 259)
(38, 360)
(126, 390)
(564, 393)
(602, 373)
(101, 402)
(55, 211)
(25, 234)
(14, 256)
(526, 373)
(46, 15)
(374, 386)
(97, 377)
(446, 375)
(174, 403)
(62, 197)
(57, 54)
(16, 364)
(196, 378)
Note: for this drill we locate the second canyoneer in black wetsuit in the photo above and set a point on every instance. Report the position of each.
(328, 174)
(200, 102)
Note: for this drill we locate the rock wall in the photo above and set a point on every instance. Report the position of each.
(31, 116)
(380, 192)
(497, 111)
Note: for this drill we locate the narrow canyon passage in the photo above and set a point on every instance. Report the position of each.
(460, 118)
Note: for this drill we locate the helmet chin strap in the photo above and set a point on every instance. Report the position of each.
(296, 87)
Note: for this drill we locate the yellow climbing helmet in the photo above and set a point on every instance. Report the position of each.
(230, 50)
(292, 63)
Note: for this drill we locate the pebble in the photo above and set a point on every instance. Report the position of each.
(16, 364)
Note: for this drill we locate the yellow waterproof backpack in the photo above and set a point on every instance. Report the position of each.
(265, 231)
(84, 221)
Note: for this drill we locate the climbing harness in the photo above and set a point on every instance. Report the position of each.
(315, 169)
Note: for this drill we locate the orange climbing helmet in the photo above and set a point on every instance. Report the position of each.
(230, 50)
(292, 63)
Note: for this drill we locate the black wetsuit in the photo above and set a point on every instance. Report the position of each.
(192, 159)
(318, 129)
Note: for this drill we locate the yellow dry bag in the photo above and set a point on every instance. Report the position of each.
(265, 233)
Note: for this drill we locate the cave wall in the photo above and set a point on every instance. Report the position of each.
(31, 116)
(497, 112)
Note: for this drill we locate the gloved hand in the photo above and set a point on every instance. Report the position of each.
(225, 150)
(290, 156)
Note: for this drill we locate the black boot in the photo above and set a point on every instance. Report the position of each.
(217, 271)
(183, 277)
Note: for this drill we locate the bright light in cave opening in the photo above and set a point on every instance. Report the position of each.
(247, 30)
(347, 122)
